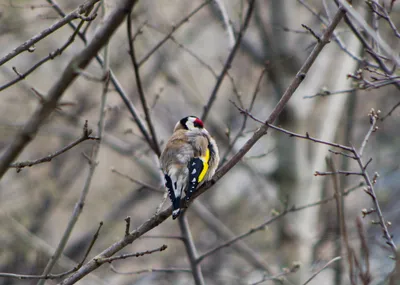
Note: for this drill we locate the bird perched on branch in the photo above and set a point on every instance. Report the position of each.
(189, 158)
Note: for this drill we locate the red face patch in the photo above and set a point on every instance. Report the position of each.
(198, 123)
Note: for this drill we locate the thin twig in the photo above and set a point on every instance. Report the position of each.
(76, 14)
(278, 277)
(162, 216)
(151, 270)
(220, 228)
(60, 275)
(371, 192)
(291, 134)
(174, 29)
(86, 135)
(162, 237)
(51, 56)
(314, 34)
(242, 128)
(228, 61)
(373, 119)
(319, 271)
(118, 87)
(391, 111)
(124, 256)
(367, 46)
(150, 187)
(335, 35)
(227, 22)
(191, 250)
(186, 49)
(365, 274)
(153, 143)
(239, 237)
(326, 173)
(271, 220)
(80, 61)
(92, 166)
(367, 29)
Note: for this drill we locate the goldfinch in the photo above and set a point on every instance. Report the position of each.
(190, 157)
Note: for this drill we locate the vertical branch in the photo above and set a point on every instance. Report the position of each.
(228, 62)
(131, 108)
(162, 216)
(70, 73)
(92, 163)
(227, 22)
(191, 250)
(370, 183)
(338, 194)
(343, 227)
(153, 142)
(301, 74)
(244, 122)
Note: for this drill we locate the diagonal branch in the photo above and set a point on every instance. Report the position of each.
(118, 87)
(162, 216)
(153, 143)
(174, 29)
(136, 254)
(50, 56)
(85, 136)
(228, 61)
(77, 14)
(79, 61)
(191, 250)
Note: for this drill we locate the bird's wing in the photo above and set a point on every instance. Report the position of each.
(198, 165)
(174, 163)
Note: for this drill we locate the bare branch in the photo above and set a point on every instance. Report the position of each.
(153, 142)
(248, 233)
(373, 119)
(151, 270)
(242, 128)
(86, 135)
(325, 266)
(280, 276)
(228, 61)
(306, 137)
(87, 6)
(174, 29)
(319, 173)
(124, 256)
(311, 32)
(388, 50)
(133, 180)
(118, 87)
(370, 190)
(81, 60)
(51, 56)
(227, 22)
(60, 275)
(191, 250)
(162, 216)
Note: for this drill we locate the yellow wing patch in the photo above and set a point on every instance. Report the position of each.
(205, 160)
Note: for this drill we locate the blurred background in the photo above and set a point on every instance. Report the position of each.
(178, 78)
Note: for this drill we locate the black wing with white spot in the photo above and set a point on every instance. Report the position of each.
(196, 166)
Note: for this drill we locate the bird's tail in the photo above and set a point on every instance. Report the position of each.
(175, 199)
(176, 213)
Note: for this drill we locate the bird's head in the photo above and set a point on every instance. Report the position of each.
(189, 123)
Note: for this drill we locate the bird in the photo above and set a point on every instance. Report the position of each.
(189, 158)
